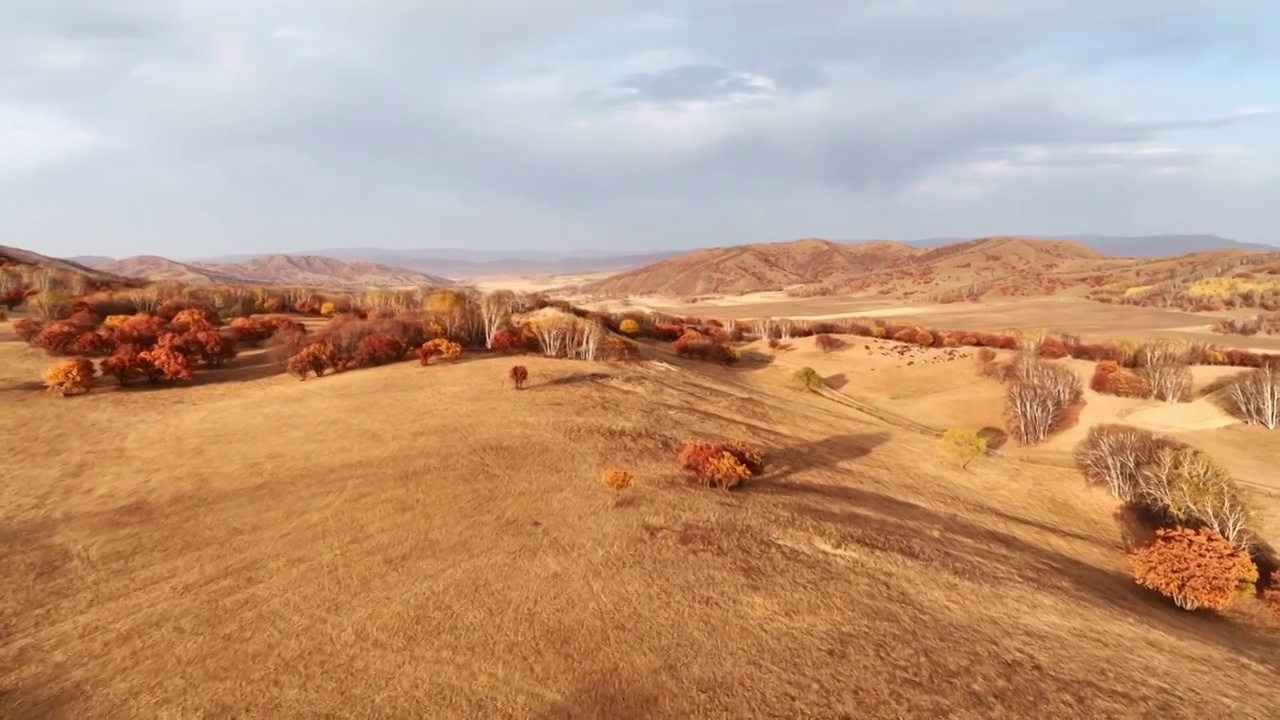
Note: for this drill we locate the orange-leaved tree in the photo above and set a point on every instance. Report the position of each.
(724, 465)
(1194, 568)
(70, 377)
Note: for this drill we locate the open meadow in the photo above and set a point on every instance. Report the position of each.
(410, 541)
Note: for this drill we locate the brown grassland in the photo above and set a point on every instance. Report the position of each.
(414, 539)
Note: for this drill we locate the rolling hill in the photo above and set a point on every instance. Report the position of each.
(1140, 246)
(456, 263)
(307, 270)
(754, 268)
(999, 266)
(27, 262)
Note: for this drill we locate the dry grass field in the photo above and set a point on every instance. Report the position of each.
(405, 542)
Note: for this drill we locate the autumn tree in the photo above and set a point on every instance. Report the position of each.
(70, 377)
(168, 357)
(519, 375)
(723, 465)
(826, 343)
(251, 332)
(629, 327)
(446, 350)
(1194, 568)
(315, 358)
(806, 378)
(57, 338)
(378, 349)
(964, 445)
(126, 364)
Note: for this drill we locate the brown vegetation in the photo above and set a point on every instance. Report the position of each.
(1254, 396)
(519, 375)
(723, 465)
(70, 377)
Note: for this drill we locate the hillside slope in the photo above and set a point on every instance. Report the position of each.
(306, 270)
(361, 560)
(971, 269)
(753, 268)
(26, 262)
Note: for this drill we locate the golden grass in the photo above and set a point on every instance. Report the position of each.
(419, 542)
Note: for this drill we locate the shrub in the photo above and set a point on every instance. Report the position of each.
(1111, 379)
(315, 358)
(127, 364)
(377, 349)
(328, 309)
(4, 317)
(519, 375)
(629, 327)
(439, 347)
(923, 338)
(208, 346)
(251, 332)
(504, 341)
(140, 330)
(723, 465)
(27, 329)
(825, 342)
(168, 358)
(70, 377)
(986, 355)
(806, 378)
(617, 480)
(94, 344)
(963, 445)
(57, 338)
(1194, 568)
(1254, 397)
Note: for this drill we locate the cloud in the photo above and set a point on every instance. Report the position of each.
(659, 123)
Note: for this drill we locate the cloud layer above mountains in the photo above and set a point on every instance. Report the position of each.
(188, 127)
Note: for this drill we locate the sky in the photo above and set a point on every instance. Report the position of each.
(195, 128)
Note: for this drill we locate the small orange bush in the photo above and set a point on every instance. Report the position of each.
(826, 343)
(617, 480)
(629, 327)
(1194, 568)
(70, 377)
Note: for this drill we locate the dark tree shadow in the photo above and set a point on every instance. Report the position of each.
(616, 696)
(755, 358)
(827, 453)
(945, 542)
(837, 381)
(994, 436)
(574, 379)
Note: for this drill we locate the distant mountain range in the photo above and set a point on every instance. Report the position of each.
(1139, 246)
(467, 264)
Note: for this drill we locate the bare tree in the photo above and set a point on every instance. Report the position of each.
(495, 308)
(1254, 397)
(1171, 383)
(1193, 489)
(583, 339)
(1032, 411)
(763, 327)
(1114, 456)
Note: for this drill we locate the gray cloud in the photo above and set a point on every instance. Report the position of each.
(588, 120)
